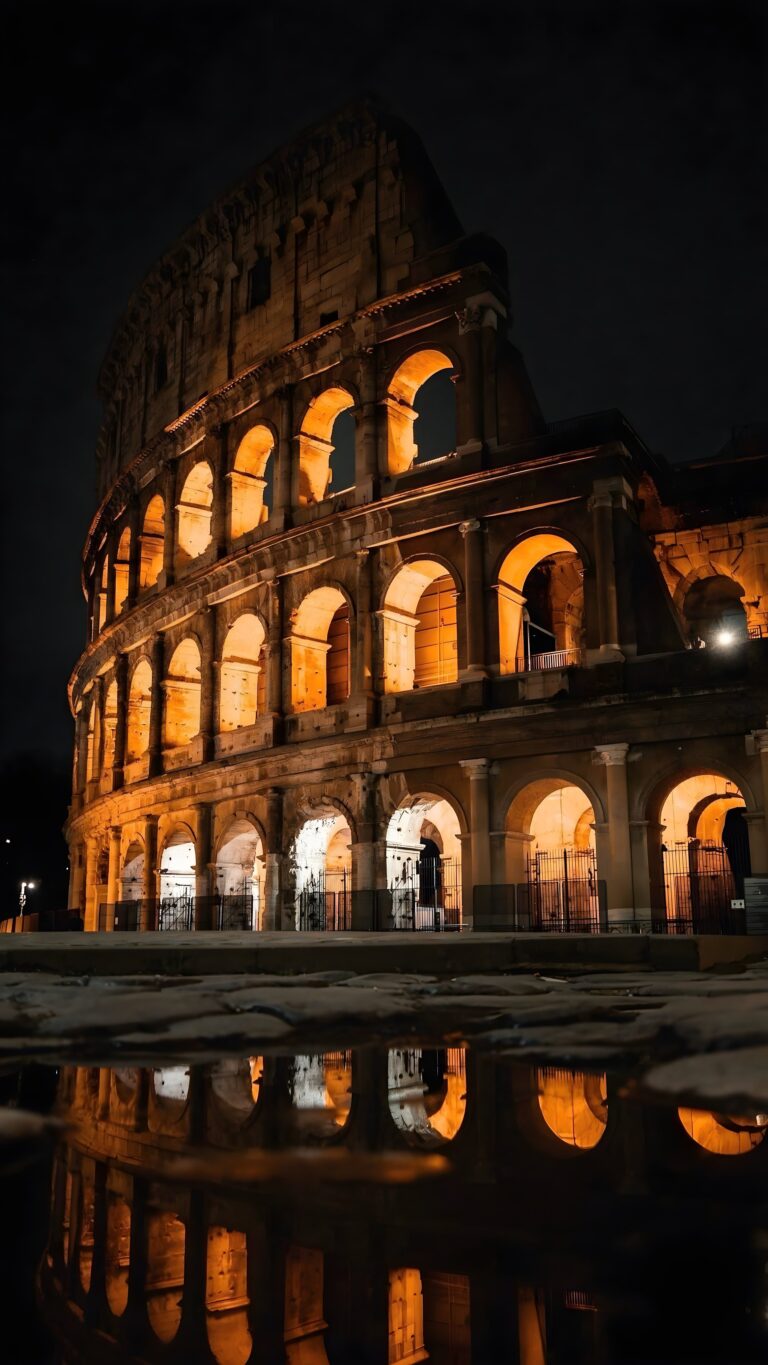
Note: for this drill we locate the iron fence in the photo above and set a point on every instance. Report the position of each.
(563, 893)
(699, 882)
(553, 658)
(323, 901)
(425, 895)
(176, 914)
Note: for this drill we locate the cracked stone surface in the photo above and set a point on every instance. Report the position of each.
(683, 1036)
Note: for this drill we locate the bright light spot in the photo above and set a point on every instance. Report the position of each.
(724, 637)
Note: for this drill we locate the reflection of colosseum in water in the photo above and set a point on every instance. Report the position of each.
(367, 636)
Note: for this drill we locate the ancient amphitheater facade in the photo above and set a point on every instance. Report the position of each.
(367, 636)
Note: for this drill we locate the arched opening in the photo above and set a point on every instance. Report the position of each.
(93, 740)
(420, 646)
(325, 466)
(103, 589)
(226, 1296)
(85, 1242)
(181, 721)
(714, 612)
(552, 859)
(304, 1322)
(421, 411)
(139, 708)
(251, 481)
(427, 1093)
(193, 534)
(170, 1086)
(165, 1272)
(242, 689)
(236, 1084)
(177, 882)
(151, 543)
(322, 863)
(541, 604)
(321, 1092)
(132, 877)
(240, 873)
(118, 1253)
(320, 651)
(700, 864)
(424, 865)
(122, 571)
(574, 1105)
(110, 726)
(406, 1317)
(721, 1134)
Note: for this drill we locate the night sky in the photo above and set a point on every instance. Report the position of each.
(617, 150)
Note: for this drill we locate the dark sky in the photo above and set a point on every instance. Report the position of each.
(617, 149)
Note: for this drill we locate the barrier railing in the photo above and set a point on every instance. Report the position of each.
(554, 658)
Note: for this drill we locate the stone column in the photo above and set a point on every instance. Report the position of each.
(91, 865)
(478, 771)
(149, 879)
(758, 829)
(208, 675)
(121, 722)
(157, 654)
(81, 744)
(110, 551)
(76, 878)
(601, 507)
(364, 853)
(133, 1328)
(474, 600)
(471, 426)
(216, 451)
(275, 661)
(96, 1306)
(113, 874)
(169, 539)
(619, 873)
(105, 1086)
(134, 561)
(284, 470)
(97, 704)
(273, 857)
(363, 681)
(366, 451)
(202, 866)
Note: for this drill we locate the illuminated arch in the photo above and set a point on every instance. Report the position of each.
(240, 873)
(164, 1283)
(139, 708)
(110, 726)
(321, 1092)
(93, 739)
(320, 650)
(424, 863)
(574, 1105)
(181, 720)
(321, 857)
(316, 445)
(428, 1104)
(248, 481)
(118, 1252)
(132, 874)
(102, 599)
(418, 618)
(193, 528)
(563, 601)
(723, 1135)
(696, 869)
(713, 609)
(226, 1296)
(151, 542)
(550, 851)
(241, 689)
(122, 570)
(415, 371)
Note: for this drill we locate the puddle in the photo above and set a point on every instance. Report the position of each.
(377, 1204)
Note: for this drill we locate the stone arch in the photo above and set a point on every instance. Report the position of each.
(713, 609)
(139, 709)
(552, 851)
(547, 567)
(240, 872)
(248, 481)
(242, 673)
(521, 798)
(321, 864)
(132, 870)
(177, 863)
(320, 641)
(122, 570)
(103, 590)
(194, 511)
(573, 1105)
(93, 738)
(411, 374)
(151, 542)
(315, 442)
(419, 627)
(181, 712)
(109, 723)
(424, 872)
(654, 793)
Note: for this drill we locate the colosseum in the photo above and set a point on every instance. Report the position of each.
(371, 644)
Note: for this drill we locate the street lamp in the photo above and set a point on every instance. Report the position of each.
(25, 887)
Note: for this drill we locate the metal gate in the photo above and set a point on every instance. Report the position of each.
(176, 913)
(426, 893)
(324, 901)
(699, 884)
(234, 912)
(564, 892)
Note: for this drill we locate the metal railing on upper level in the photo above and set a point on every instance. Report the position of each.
(554, 658)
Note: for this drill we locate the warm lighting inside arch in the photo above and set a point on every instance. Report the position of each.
(151, 543)
(226, 1296)
(316, 443)
(248, 481)
(723, 1135)
(122, 570)
(418, 619)
(414, 372)
(574, 1105)
(164, 1284)
(110, 726)
(541, 603)
(139, 706)
(193, 535)
(320, 651)
(182, 696)
(241, 694)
